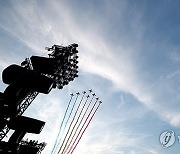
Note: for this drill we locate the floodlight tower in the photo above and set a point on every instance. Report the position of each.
(35, 75)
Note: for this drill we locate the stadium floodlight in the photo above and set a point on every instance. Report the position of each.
(35, 75)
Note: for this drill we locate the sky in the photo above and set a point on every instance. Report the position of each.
(129, 54)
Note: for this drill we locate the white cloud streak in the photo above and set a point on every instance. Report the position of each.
(37, 27)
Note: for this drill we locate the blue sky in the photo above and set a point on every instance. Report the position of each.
(129, 55)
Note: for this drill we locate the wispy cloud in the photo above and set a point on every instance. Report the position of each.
(122, 141)
(109, 49)
(3, 64)
(175, 56)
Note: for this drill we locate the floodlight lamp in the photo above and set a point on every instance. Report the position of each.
(59, 86)
(75, 45)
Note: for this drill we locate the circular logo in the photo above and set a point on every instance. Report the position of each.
(167, 138)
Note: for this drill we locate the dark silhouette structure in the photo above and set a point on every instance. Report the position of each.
(35, 75)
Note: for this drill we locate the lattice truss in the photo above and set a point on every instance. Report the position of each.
(60, 65)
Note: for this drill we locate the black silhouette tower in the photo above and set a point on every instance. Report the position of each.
(35, 75)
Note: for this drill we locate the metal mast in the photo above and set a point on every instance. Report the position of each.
(56, 70)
